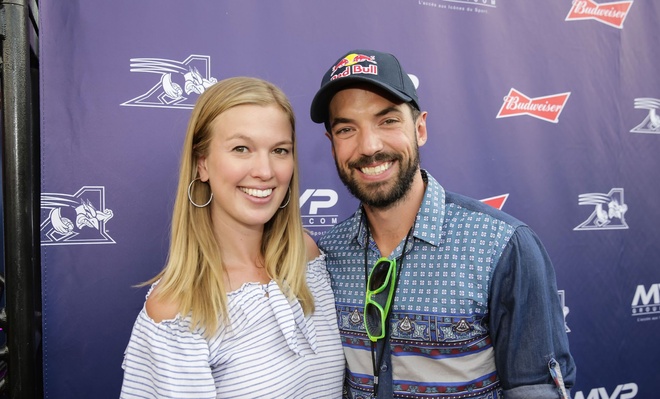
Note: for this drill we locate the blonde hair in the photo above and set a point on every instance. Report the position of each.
(194, 276)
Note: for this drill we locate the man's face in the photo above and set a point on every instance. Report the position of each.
(375, 144)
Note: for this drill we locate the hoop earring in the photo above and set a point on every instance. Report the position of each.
(288, 199)
(190, 195)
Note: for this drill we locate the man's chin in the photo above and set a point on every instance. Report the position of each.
(381, 199)
(374, 194)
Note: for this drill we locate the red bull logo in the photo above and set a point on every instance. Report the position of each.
(353, 59)
(612, 14)
(546, 108)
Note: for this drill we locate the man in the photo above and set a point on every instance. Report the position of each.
(461, 298)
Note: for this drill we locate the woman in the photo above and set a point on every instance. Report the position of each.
(243, 307)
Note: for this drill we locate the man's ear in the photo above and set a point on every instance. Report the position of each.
(420, 129)
(332, 146)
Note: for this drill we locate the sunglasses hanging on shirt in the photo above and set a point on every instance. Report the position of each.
(379, 297)
(380, 291)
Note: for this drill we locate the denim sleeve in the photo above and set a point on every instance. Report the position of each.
(527, 321)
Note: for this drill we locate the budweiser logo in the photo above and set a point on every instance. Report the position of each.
(497, 201)
(612, 14)
(547, 108)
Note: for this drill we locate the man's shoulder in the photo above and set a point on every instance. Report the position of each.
(341, 232)
(460, 205)
(463, 203)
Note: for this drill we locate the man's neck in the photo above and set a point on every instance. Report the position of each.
(388, 226)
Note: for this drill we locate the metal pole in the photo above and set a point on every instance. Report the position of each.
(20, 206)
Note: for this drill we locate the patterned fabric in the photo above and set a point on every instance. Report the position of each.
(271, 350)
(443, 323)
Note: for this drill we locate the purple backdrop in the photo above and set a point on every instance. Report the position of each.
(548, 105)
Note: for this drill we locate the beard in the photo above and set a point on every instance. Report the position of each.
(381, 195)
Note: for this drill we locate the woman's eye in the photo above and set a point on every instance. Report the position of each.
(240, 149)
(281, 151)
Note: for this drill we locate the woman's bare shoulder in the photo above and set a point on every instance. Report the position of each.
(312, 249)
(160, 308)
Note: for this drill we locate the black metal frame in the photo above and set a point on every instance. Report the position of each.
(21, 180)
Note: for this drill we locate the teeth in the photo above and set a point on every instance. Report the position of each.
(257, 193)
(377, 169)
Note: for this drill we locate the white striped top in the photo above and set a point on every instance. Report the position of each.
(271, 349)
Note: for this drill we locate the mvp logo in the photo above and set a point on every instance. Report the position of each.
(646, 302)
(645, 297)
(318, 199)
(625, 391)
(330, 196)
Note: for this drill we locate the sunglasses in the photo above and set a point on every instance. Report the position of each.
(379, 297)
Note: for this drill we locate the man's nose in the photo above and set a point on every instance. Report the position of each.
(369, 142)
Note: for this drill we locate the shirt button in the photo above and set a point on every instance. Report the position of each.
(383, 367)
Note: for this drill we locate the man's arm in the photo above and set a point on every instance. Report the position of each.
(527, 322)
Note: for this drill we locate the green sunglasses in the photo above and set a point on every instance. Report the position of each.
(379, 298)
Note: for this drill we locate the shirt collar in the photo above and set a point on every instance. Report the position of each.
(429, 219)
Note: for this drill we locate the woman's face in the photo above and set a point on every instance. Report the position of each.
(249, 164)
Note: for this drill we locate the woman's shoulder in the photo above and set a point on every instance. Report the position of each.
(313, 251)
(160, 320)
(158, 307)
(316, 268)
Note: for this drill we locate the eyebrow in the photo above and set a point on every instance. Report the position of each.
(240, 136)
(383, 112)
(389, 110)
(337, 121)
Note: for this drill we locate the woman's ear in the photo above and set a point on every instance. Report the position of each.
(202, 171)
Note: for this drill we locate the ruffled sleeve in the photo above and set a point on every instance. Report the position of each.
(317, 272)
(166, 360)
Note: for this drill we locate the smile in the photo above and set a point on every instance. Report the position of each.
(376, 170)
(257, 193)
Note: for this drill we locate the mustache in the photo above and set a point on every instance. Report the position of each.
(368, 160)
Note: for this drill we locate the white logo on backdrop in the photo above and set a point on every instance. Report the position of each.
(193, 74)
(320, 201)
(622, 391)
(460, 5)
(86, 207)
(651, 123)
(612, 218)
(646, 303)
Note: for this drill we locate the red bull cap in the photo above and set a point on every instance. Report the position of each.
(358, 67)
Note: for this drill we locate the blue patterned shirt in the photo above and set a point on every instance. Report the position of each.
(476, 312)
